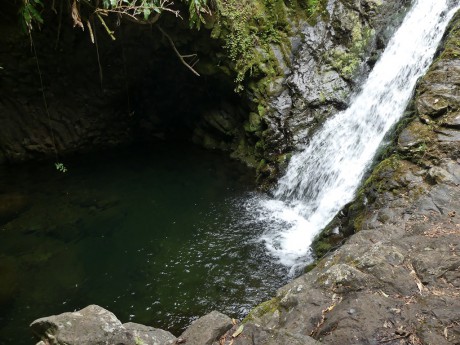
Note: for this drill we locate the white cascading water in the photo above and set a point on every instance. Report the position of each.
(324, 176)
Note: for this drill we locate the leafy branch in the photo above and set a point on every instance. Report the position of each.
(139, 11)
(30, 14)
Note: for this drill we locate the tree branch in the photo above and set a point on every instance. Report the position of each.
(181, 57)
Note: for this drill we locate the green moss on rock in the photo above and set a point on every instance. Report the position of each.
(346, 60)
(267, 307)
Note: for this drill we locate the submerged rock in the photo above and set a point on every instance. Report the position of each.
(9, 279)
(11, 205)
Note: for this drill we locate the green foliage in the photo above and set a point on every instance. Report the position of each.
(346, 62)
(321, 247)
(312, 6)
(197, 9)
(251, 28)
(144, 9)
(150, 9)
(60, 167)
(29, 14)
(248, 28)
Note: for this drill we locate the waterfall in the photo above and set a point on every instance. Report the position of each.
(325, 175)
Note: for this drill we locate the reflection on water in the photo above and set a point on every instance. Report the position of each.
(159, 237)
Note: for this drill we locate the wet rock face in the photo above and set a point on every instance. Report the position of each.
(118, 92)
(397, 280)
(79, 111)
(336, 52)
(90, 108)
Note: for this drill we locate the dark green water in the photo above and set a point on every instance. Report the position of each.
(158, 237)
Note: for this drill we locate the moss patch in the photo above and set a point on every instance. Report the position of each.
(347, 61)
(249, 29)
(267, 307)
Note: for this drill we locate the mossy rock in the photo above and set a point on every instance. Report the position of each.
(321, 247)
(267, 307)
(11, 205)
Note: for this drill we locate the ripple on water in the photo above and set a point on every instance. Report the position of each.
(159, 237)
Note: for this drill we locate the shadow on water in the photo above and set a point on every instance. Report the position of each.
(159, 236)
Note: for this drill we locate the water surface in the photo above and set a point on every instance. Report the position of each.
(158, 236)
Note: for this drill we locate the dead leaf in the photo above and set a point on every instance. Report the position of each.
(383, 294)
(238, 331)
(414, 275)
(76, 16)
(91, 35)
(387, 324)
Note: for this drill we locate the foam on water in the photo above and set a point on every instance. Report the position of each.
(324, 176)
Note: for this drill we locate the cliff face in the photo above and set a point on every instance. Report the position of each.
(101, 95)
(333, 52)
(292, 64)
(81, 115)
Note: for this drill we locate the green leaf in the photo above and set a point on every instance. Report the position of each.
(35, 15)
(60, 167)
(146, 13)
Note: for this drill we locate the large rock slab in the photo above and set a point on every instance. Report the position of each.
(95, 325)
(207, 329)
(255, 334)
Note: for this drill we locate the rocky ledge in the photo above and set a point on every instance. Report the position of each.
(396, 281)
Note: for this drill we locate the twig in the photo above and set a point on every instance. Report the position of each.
(125, 71)
(320, 323)
(59, 27)
(131, 17)
(181, 57)
(101, 76)
(110, 32)
(45, 103)
(395, 338)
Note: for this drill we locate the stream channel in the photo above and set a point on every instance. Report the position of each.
(159, 236)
